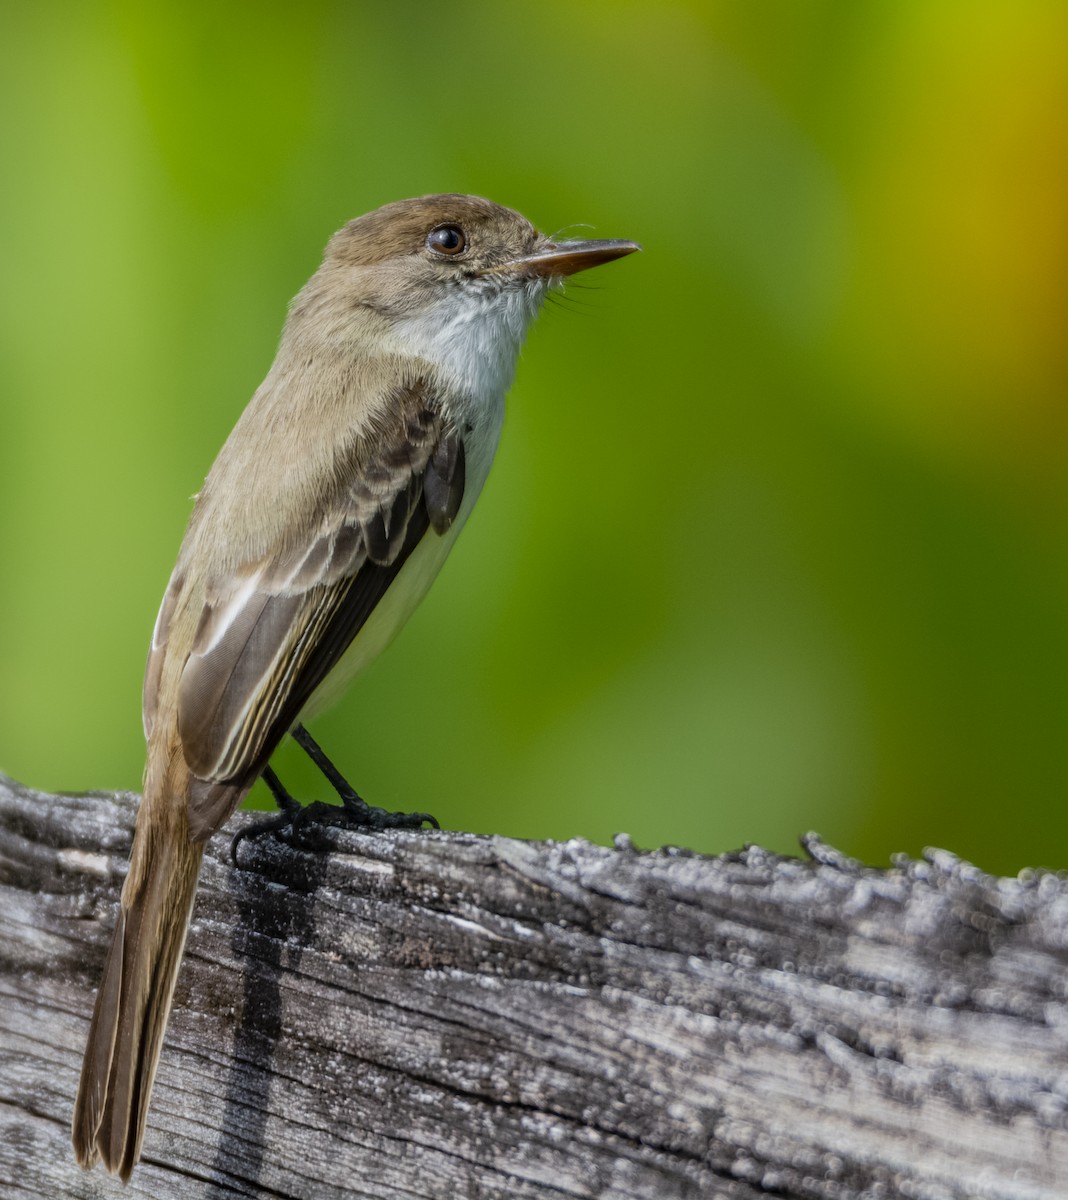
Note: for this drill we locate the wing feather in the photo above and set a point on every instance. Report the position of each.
(270, 633)
(158, 651)
(443, 484)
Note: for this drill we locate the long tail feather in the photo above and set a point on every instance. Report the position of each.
(134, 1000)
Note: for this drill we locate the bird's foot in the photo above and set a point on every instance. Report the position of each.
(358, 814)
(302, 824)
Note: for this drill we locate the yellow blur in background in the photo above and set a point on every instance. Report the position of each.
(776, 538)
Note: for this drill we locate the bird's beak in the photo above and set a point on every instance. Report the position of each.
(556, 260)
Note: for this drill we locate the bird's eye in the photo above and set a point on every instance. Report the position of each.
(447, 239)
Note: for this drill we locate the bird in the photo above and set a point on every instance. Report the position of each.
(320, 526)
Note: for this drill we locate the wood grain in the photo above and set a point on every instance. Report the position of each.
(439, 1015)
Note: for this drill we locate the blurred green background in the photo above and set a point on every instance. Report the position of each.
(776, 538)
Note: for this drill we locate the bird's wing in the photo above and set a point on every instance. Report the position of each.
(270, 633)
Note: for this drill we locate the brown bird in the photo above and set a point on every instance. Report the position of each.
(320, 526)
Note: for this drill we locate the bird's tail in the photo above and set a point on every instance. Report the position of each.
(134, 1000)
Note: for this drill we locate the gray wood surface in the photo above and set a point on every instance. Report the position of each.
(443, 1015)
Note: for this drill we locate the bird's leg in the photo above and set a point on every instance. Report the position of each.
(296, 818)
(303, 822)
(358, 813)
(288, 815)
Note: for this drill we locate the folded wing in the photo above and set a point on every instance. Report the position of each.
(270, 633)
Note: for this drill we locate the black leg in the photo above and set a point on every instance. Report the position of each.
(357, 811)
(288, 815)
(354, 812)
(333, 776)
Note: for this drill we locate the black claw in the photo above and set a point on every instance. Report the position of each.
(287, 818)
(360, 814)
(274, 825)
(295, 821)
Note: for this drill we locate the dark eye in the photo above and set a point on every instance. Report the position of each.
(447, 239)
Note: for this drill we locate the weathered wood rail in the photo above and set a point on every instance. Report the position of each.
(471, 1018)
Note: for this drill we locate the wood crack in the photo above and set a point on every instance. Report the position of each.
(450, 1017)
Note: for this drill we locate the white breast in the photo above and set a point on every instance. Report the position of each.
(476, 342)
(475, 334)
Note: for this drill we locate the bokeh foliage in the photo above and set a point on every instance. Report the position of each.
(776, 536)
